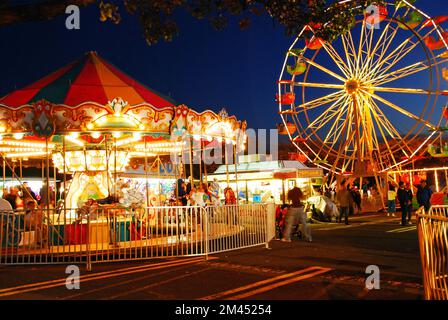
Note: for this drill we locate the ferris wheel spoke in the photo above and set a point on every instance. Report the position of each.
(380, 125)
(399, 53)
(315, 103)
(368, 52)
(326, 116)
(409, 70)
(383, 45)
(334, 55)
(348, 56)
(401, 110)
(335, 129)
(364, 128)
(380, 116)
(342, 147)
(359, 60)
(393, 58)
(352, 47)
(408, 90)
(336, 132)
(322, 68)
(319, 85)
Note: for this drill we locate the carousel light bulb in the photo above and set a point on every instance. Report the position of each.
(196, 137)
(74, 135)
(116, 134)
(95, 135)
(1, 137)
(89, 126)
(18, 136)
(141, 126)
(2, 129)
(209, 139)
(137, 135)
(219, 139)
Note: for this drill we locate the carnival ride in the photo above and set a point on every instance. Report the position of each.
(92, 122)
(370, 101)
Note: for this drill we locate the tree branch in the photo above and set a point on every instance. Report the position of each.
(37, 12)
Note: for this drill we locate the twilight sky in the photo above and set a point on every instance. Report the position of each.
(201, 68)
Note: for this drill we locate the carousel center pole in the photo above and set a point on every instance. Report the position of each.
(236, 172)
(200, 159)
(226, 161)
(107, 166)
(20, 169)
(4, 174)
(146, 175)
(191, 161)
(115, 167)
(47, 179)
(205, 162)
(65, 179)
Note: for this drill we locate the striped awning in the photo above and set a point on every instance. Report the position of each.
(89, 79)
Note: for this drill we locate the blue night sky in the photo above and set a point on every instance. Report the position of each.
(202, 68)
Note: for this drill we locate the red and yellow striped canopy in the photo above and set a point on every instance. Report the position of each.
(89, 79)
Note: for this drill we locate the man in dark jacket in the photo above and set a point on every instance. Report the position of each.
(403, 198)
(424, 195)
(410, 196)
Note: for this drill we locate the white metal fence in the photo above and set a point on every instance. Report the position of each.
(113, 234)
(433, 242)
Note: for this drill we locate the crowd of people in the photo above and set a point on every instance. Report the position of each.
(19, 196)
(203, 194)
(24, 200)
(348, 199)
(404, 196)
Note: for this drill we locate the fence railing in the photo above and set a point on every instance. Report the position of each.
(115, 234)
(433, 242)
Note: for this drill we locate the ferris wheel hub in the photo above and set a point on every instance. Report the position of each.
(352, 86)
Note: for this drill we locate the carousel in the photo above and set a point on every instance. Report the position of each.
(97, 134)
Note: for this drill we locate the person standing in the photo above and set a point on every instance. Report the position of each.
(365, 188)
(403, 199)
(183, 194)
(424, 195)
(410, 196)
(391, 198)
(357, 199)
(295, 213)
(345, 201)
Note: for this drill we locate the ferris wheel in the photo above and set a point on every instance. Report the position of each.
(369, 101)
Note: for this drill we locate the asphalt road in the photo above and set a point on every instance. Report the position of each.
(333, 266)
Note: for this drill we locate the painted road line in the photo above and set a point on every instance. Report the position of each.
(121, 283)
(92, 275)
(401, 230)
(103, 275)
(278, 284)
(156, 284)
(314, 271)
(354, 225)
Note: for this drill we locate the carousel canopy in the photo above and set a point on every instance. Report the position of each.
(89, 116)
(90, 78)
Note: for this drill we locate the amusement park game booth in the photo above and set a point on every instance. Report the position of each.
(260, 179)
